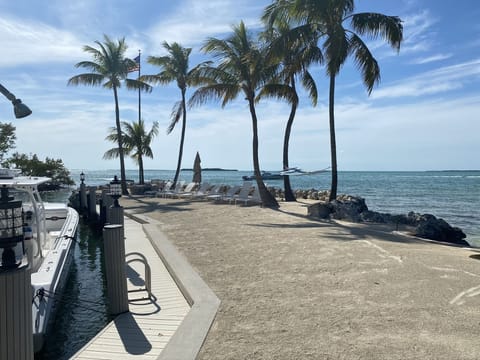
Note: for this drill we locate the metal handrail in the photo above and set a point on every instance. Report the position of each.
(148, 275)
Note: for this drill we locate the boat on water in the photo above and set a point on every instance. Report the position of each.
(292, 171)
(266, 175)
(48, 242)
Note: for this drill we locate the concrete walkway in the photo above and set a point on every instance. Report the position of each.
(151, 324)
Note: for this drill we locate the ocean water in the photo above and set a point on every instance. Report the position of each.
(451, 195)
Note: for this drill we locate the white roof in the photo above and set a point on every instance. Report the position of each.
(24, 181)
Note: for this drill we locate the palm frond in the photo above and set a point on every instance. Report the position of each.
(176, 114)
(111, 154)
(138, 85)
(390, 28)
(365, 62)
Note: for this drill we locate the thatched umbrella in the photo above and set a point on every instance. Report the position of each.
(197, 169)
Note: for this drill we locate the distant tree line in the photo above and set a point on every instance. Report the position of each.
(31, 165)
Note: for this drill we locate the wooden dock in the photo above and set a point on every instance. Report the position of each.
(149, 326)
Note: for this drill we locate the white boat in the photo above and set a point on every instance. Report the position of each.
(295, 171)
(49, 230)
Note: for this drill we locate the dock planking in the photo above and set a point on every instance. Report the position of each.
(146, 329)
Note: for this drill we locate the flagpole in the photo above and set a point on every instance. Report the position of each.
(139, 97)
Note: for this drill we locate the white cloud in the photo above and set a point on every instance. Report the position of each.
(35, 42)
(431, 58)
(432, 82)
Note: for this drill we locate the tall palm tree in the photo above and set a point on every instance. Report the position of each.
(334, 22)
(243, 68)
(136, 142)
(109, 68)
(175, 67)
(295, 57)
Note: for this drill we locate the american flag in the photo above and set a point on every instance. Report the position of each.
(137, 66)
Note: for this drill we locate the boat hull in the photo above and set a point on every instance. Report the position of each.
(49, 280)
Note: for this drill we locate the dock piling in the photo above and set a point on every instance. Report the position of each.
(115, 273)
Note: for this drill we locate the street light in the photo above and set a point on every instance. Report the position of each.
(21, 110)
(115, 190)
(82, 177)
(11, 231)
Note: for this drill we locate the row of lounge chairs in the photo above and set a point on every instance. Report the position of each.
(245, 194)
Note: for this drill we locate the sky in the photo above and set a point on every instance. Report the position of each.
(424, 114)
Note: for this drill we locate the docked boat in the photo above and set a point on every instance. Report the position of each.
(48, 235)
(265, 176)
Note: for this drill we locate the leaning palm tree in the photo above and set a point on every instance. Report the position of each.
(243, 68)
(295, 57)
(109, 68)
(328, 20)
(136, 142)
(175, 67)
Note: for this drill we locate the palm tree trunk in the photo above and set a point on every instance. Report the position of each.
(268, 200)
(289, 196)
(123, 178)
(333, 145)
(182, 139)
(141, 178)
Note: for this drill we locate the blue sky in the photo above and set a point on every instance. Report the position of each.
(422, 116)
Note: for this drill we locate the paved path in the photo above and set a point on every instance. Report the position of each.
(147, 328)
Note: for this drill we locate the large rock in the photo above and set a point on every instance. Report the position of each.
(430, 227)
(354, 209)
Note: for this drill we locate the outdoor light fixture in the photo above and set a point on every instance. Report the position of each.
(82, 177)
(11, 231)
(115, 190)
(21, 110)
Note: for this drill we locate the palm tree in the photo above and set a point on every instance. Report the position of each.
(295, 56)
(175, 67)
(243, 68)
(326, 20)
(109, 68)
(136, 142)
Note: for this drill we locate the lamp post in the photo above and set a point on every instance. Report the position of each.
(115, 190)
(20, 110)
(83, 193)
(115, 211)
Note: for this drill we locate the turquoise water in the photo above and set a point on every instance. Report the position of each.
(451, 195)
(82, 311)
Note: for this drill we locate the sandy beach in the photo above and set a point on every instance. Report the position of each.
(292, 287)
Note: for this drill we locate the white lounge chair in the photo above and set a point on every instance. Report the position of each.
(230, 192)
(243, 193)
(178, 188)
(200, 192)
(253, 198)
(165, 187)
(188, 190)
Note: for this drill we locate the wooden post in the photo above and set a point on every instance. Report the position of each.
(106, 202)
(92, 202)
(115, 273)
(83, 197)
(115, 215)
(16, 338)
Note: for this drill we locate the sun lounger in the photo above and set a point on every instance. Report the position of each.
(200, 192)
(165, 187)
(230, 192)
(188, 190)
(178, 188)
(253, 198)
(243, 193)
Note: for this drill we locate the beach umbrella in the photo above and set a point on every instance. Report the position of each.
(197, 169)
